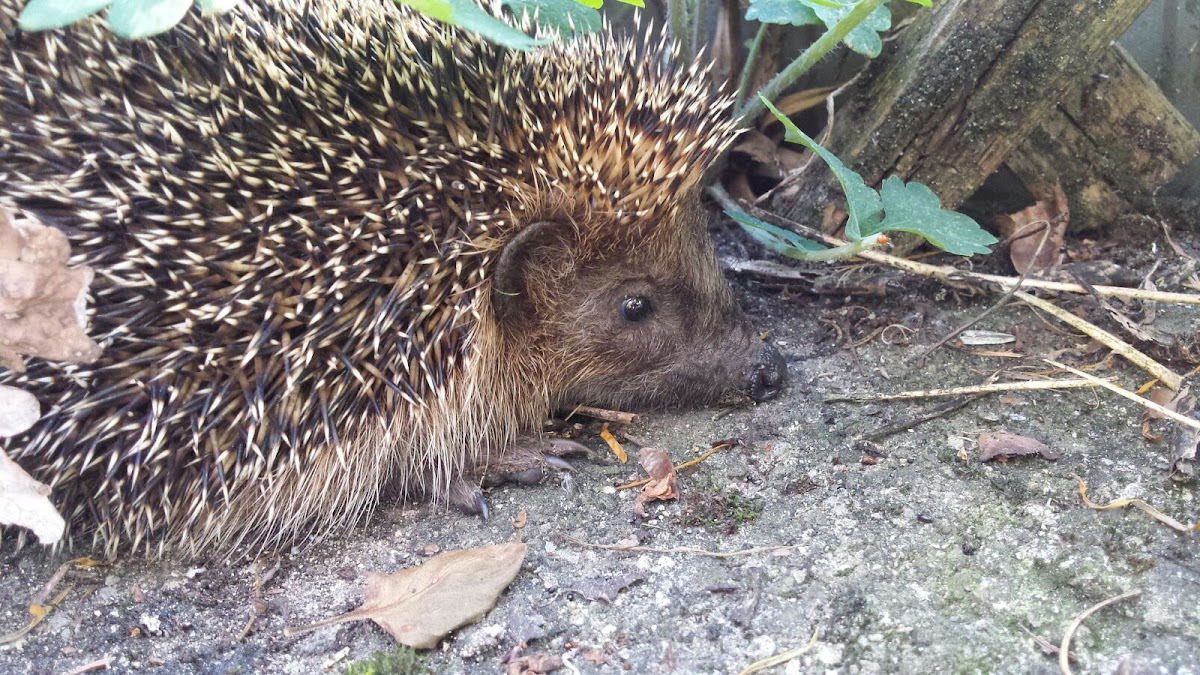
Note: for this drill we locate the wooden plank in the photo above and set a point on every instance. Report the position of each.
(1111, 142)
(959, 90)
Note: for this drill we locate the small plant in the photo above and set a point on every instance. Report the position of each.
(897, 207)
(134, 19)
(400, 661)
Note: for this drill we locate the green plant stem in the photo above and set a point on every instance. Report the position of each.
(754, 107)
(843, 252)
(677, 19)
(701, 11)
(748, 69)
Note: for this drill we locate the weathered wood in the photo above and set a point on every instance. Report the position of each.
(958, 90)
(1111, 142)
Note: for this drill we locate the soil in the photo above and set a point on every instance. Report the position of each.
(906, 554)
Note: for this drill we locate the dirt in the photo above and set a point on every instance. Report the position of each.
(903, 555)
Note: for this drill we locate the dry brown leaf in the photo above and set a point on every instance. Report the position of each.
(1184, 441)
(420, 605)
(1025, 229)
(26, 503)
(537, 663)
(1002, 445)
(19, 410)
(1162, 396)
(662, 485)
(42, 300)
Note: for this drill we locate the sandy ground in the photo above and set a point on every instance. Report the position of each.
(907, 555)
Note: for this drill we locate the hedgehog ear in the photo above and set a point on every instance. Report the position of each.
(528, 251)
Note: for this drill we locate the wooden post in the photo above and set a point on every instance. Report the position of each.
(958, 91)
(1111, 142)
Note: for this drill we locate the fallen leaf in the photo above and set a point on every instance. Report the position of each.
(1001, 444)
(26, 503)
(42, 301)
(662, 485)
(520, 519)
(1162, 396)
(538, 663)
(420, 605)
(19, 410)
(1025, 229)
(1184, 441)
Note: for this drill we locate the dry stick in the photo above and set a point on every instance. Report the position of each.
(100, 664)
(679, 549)
(603, 414)
(949, 274)
(1194, 423)
(939, 411)
(1109, 340)
(1063, 649)
(959, 391)
(782, 657)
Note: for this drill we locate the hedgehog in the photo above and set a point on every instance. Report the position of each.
(346, 254)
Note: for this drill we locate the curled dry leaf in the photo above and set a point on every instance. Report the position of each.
(19, 410)
(420, 605)
(1026, 228)
(1002, 445)
(26, 503)
(662, 485)
(1184, 441)
(42, 301)
(535, 663)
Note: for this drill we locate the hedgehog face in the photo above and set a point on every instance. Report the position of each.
(650, 324)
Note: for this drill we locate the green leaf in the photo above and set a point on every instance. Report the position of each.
(435, 9)
(134, 19)
(923, 3)
(913, 207)
(41, 15)
(597, 4)
(787, 12)
(864, 39)
(635, 3)
(862, 203)
(566, 16)
(468, 15)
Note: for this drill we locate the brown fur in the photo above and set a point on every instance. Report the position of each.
(296, 240)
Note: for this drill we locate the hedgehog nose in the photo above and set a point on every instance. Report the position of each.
(768, 375)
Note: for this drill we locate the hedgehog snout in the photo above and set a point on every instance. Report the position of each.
(768, 375)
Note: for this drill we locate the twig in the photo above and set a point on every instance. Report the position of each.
(1120, 391)
(604, 415)
(1064, 648)
(680, 549)
(99, 664)
(1109, 340)
(939, 411)
(959, 391)
(782, 657)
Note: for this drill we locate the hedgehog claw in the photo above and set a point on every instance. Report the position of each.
(558, 463)
(481, 506)
(565, 447)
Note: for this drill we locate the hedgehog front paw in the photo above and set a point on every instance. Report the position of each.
(529, 461)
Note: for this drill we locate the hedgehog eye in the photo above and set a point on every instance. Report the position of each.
(635, 308)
